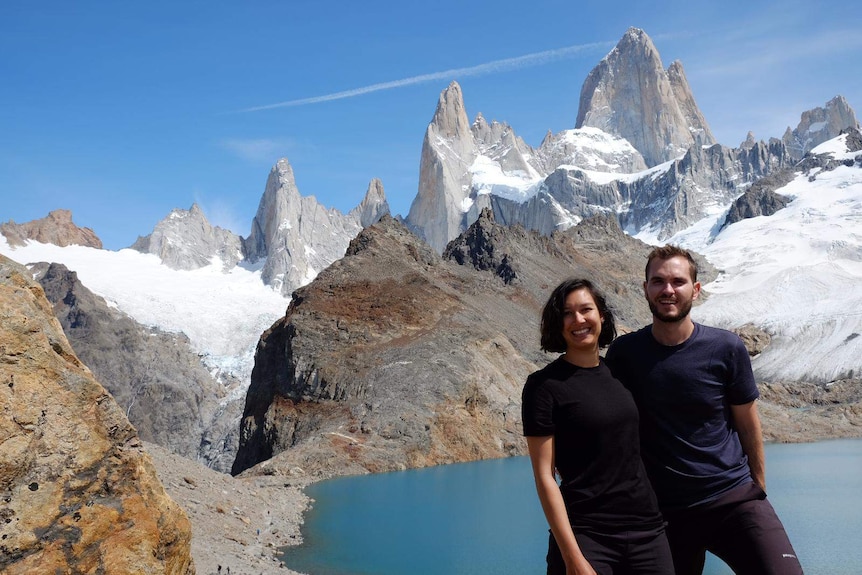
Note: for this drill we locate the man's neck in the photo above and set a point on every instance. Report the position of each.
(672, 333)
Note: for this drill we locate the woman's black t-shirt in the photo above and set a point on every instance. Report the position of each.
(594, 421)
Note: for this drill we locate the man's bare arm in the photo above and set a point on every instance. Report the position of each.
(746, 421)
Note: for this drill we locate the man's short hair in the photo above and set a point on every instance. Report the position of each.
(552, 315)
(670, 251)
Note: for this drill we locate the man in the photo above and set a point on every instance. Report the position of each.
(700, 431)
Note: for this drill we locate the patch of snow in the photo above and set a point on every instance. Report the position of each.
(816, 127)
(797, 274)
(837, 147)
(489, 178)
(222, 313)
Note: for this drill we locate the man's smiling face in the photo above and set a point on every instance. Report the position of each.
(669, 289)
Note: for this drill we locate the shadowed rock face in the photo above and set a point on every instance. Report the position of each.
(155, 377)
(395, 357)
(79, 493)
(56, 229)
(760, 199)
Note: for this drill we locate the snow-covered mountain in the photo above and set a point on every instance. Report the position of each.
(293, 237)
(641, 150)
(796, 274)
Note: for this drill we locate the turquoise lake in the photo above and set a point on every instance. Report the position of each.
(484, 518)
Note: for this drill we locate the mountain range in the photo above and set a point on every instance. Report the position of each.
(406, 340)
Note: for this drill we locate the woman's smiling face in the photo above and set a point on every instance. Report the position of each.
(582, 322)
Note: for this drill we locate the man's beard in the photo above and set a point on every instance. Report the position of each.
(684, 310)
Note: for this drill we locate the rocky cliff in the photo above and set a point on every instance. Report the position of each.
(396, 357)
(79, 493)
(630, 95)
(760, 199)
(57, 229)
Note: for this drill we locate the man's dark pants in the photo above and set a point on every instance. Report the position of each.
(741, 528)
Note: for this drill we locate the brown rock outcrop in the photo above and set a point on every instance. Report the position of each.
(392, 358)
(56, 229)
(79, 494)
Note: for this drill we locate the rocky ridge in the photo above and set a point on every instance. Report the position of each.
(80, 495)
(431, 354)
(185, 240)
(57, 228)
(819, 125)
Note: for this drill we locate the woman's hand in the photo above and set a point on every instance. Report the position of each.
(580, 567)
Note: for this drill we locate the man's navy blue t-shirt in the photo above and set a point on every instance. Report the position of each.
(684, 393)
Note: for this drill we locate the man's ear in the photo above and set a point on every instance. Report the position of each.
(696, 290)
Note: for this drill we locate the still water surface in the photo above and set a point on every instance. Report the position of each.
(484, 518)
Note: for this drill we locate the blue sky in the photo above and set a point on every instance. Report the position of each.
(123, 111)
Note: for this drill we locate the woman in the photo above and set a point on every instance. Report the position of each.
(582, 423)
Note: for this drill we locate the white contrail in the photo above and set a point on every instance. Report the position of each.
(489, 68)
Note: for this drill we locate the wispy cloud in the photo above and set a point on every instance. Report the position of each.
(529, 60)
(220, 212)
(759, 55)
(256, 150)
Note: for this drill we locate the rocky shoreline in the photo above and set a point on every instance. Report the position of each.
(238, 523)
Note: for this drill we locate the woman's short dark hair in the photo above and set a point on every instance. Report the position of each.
(552, 315)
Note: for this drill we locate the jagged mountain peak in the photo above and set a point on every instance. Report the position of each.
(297, 236)
(450, 117)
(185, 240)
(636, 40)
(448, 151)
(283, 171)
(373, 205)
(630, 95)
